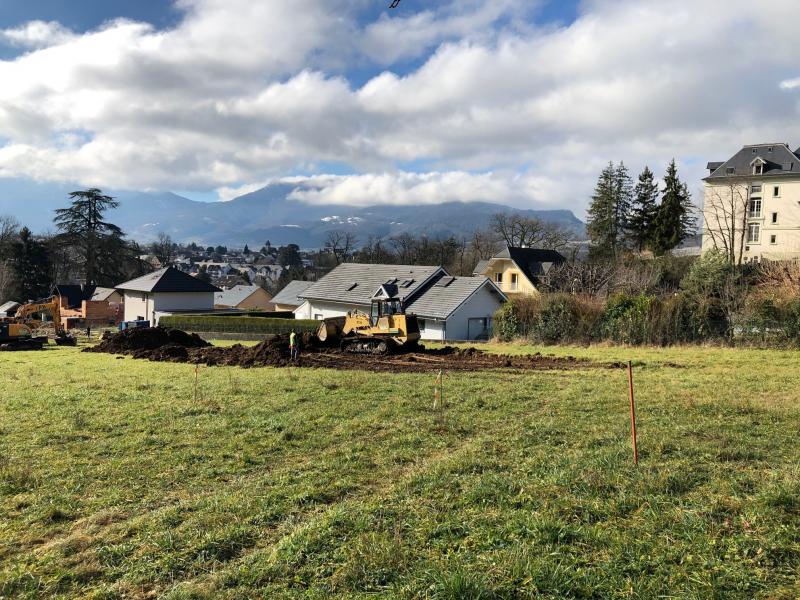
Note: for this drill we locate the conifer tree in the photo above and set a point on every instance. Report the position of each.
(30, 261)
(98, 244)
(609, 211)
(674, 220)
(643, 211)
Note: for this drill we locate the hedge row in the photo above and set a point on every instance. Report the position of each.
(269, 314)
(228, 324)
(644, 319)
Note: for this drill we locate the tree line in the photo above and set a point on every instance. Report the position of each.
(85, 247)
(624, 218)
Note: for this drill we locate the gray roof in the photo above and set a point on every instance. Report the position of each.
(9, 306)
(355, 283)
(445, 294)
(480, 267)
(168, 279)
(288, 295)
(235, 296)
(778, 160)
(102, 293)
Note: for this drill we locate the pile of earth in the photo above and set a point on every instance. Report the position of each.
(155, 343)
(171, 345)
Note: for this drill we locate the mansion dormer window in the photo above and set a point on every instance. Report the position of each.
(758, 169)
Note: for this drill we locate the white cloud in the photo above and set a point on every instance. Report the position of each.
(502, 110)
(36, 34)
(421, 188)
(790, 84)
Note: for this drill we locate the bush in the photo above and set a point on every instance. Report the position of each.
(627, 319)
(238, 324)
(564, 318)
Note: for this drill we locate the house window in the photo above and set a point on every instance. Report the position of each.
(755, 189)
(317, 317)
(730, 170)
(758, 169)
(498, 277)
(776, 191)
(753, 233)
(755, 208)
(514, 281)
(774, 217)
(773, 239)
(421, 323)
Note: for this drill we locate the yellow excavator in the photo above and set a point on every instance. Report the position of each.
(386, 329)
(17, 333)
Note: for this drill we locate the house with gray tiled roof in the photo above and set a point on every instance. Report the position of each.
(751, 204)
(448, 308)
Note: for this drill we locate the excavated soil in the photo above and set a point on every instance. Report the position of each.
(172, 345)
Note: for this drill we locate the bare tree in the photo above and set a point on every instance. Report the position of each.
(725, 219)
(163, 249)
(341, 244)
(518, 230)
(484, 244)
(8, 282)
(9, 228)
(585, 278)
(405, 247)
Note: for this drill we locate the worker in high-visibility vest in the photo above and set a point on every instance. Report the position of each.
(293, 349)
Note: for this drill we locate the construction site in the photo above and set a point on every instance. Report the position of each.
(170, 345)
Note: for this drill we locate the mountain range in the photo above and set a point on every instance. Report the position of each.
(265, 214)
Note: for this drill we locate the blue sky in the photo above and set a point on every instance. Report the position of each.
(515, 101)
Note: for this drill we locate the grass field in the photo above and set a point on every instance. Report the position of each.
(117, 482)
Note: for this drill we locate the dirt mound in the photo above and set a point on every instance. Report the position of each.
(141, 340)
(172, 345)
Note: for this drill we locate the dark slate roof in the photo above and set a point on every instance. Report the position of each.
(74, 294)
(355, 283)
(533, 262)
(778, 160)
(168, 279)
(288, 295)
(445, 294)
(235, 296)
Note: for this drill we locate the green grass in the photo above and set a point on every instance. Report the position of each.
(116, 482)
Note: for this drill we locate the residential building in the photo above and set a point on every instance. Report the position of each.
(83, 305)
(9, 309)
(104, 294)
(244, 297)
(519, 270)
(751, 204)
(164, 292)
(448, 308)
(287, 299)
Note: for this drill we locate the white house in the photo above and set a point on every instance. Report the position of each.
(448, 308)
(164, 292)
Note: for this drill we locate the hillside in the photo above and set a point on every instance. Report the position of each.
(266, 214)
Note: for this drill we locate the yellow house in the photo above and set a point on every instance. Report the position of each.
(518, 270)
(244, 297)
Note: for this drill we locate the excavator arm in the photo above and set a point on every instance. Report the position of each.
(52, 306)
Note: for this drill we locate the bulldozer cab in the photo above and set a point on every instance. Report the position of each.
(384, 308)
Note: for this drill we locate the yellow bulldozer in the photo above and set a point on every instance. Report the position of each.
(17, 333)
(386, 329)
